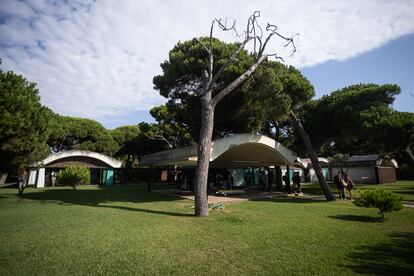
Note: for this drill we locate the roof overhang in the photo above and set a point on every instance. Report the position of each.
(111, 162)
(239, 150)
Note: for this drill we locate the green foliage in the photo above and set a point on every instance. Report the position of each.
(127, 139)
(74, 175)
(216, 206)
(271, 93)
(385, 201)
(265, 97)
(23, 123)
(349, 120)
(167, 129)
(78, 133)
(181, 83)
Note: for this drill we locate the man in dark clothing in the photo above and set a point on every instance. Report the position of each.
(296, 181)
(286, 179)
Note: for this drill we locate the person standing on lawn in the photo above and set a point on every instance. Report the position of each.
(22, 182)
(264, 179)
(339, 184)
(286, 179)
(349, 185)
(296, 182)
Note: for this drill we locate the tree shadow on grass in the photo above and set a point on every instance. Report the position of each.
(100, 197)
(357, 218)
(302, 200)
(395, 258)
(405, 192)
(8, 186)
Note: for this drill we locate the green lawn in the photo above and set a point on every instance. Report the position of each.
(126, 230)
(402, 188)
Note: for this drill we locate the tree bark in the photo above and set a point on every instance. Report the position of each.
(410, 155)
(313, 156)
(203, 160)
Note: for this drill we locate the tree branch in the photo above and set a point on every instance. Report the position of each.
(201, 43)
(234, 84)
(229, 61)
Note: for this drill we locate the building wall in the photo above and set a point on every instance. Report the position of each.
(386, 175)
(314, 178)
(360, 174)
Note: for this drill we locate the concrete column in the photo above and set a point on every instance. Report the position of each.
(32, 177)
(41, 178)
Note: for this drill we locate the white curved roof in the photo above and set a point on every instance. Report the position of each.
(239, 150)
(112, 162)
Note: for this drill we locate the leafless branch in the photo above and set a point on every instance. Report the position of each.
(229, 61)
(276, 57)
(201, 43)
(253, 32)
(162, 138)
(234, 84)
(224, 26)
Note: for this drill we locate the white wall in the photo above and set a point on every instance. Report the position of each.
(41, 178)
(32, 177)
(360, 174)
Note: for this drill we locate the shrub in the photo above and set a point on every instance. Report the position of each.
(385, 201)
(74, 175)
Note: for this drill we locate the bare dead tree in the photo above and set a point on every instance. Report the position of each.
(253, 33)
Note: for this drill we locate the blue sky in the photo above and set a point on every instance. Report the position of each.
(96, 59)
(391, 63)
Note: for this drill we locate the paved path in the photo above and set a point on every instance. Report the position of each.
(249, 195)
(254, 195)
(233, 198)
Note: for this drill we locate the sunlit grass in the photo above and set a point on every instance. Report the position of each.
(127, 230)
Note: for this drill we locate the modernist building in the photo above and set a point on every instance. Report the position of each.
(104, 169)
(237, 154)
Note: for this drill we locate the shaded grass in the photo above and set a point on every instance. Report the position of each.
(127, 230)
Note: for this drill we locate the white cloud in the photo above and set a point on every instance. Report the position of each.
(98, 59)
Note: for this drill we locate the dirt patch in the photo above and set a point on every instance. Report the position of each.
(212, 198)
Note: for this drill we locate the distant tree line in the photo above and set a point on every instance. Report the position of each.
(358, 119)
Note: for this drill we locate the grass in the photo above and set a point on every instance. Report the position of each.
(126, 230)
(401, 188)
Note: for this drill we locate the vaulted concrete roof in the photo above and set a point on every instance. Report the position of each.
(67, 155)
(239, 150)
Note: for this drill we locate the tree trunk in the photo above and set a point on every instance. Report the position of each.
(410, 155)
(313, 156)
(203, 160)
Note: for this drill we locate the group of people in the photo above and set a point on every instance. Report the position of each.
(342, 182)
(263, 179)
(297, 188)
(224, 180)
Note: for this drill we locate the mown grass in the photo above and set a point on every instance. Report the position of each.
(126, 230)
(401, 188)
